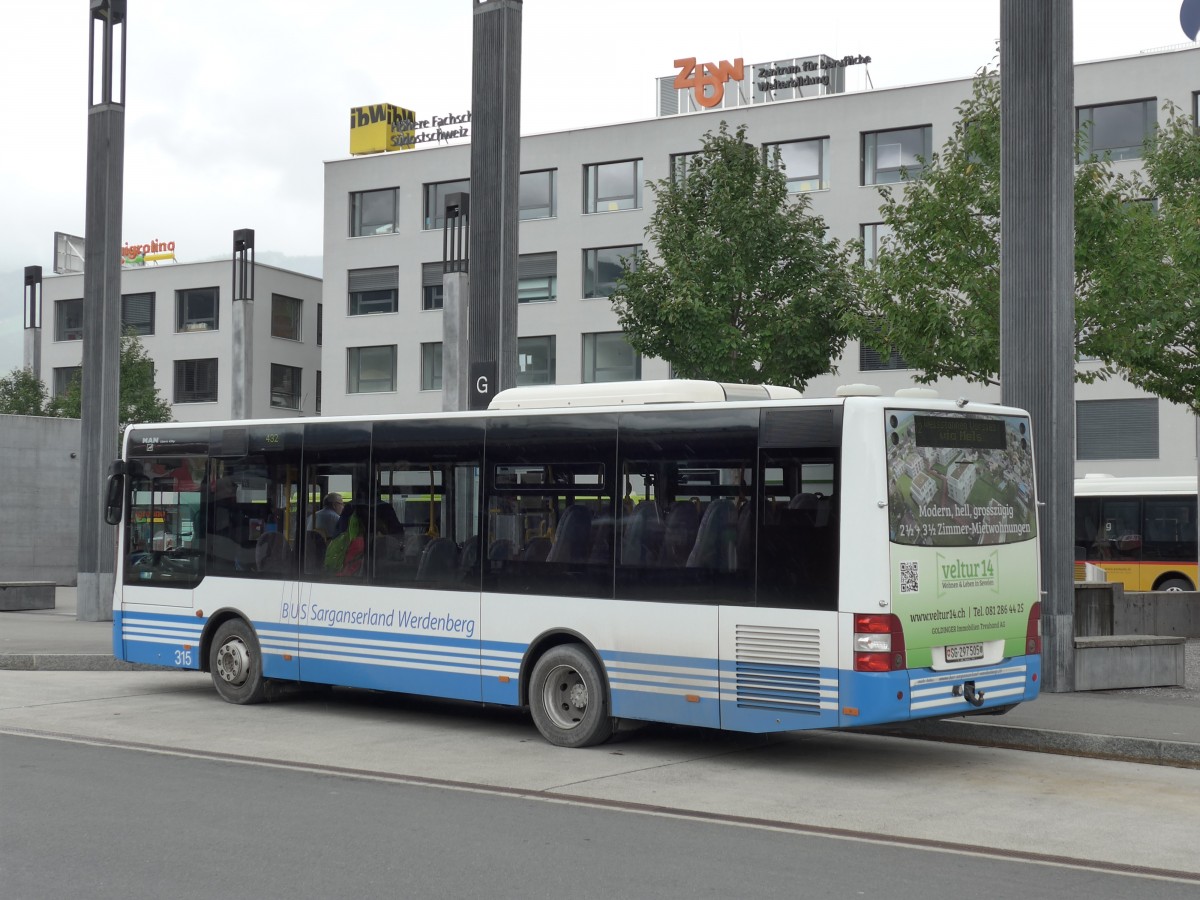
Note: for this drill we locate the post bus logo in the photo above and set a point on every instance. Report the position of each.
(697, 77)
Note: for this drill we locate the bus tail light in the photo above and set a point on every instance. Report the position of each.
(1033, 631)
(878, 643)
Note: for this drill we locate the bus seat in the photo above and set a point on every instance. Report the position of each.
(500, 550)
(745, 537)
(314, 552)
(715, 539)
(679, 534)
(573, 536)
(536, 550)
(468, 559)
(271, 553)
(439, 560)
(643, 537)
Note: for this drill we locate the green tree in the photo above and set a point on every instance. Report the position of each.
(138, 399)
(933, 290)
(744, 286)
(1155, 341)
(22, 394)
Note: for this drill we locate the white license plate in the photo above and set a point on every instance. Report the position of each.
(964, 652)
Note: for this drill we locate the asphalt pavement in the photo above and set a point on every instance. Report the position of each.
(1159, 725)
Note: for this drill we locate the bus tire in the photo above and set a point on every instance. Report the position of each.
(235, 662)
(568, 698)
(1175, 584)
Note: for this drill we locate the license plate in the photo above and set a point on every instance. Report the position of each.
(964, 652)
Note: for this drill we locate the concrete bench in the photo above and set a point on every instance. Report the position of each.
(18, 595)
(1128, 661)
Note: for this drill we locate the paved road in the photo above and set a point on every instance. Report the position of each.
(105, 822)
(967, 798)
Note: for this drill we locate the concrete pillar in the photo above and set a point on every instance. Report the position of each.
(33, 320)
(1037, 313)
(242, 368)
(495, 174)
(101, 305)
(456, 287)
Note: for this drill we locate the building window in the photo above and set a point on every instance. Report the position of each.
(607, 356)
(1116, 429)
(195, 381)
(63, 379)
(537, 277)
(435, 200)
(320, 323)
(68, 320)
(537, 194)
(874, 234)
(602, 269)
(870, 360)
(431, 367)
(137, 313)
(679, 165)
(431, 286)
(374, 212)
(318, 392)
(1117, 130)
(373, 290)
(286, 316)
(608, 187)
(285, 386)
(535, 360)
(887, 154)
(805, 163)
(370, 369)
(196, 309)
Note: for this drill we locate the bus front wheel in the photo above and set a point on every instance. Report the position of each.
(235, 662)
(568, 699)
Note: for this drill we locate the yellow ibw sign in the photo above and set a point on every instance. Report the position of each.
(372, 128)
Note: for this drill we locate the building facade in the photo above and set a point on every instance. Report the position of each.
(584, 204)
(183, 315)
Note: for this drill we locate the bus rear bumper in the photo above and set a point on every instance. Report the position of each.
(876, 698)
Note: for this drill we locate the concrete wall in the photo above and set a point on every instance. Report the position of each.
(39, 531)
(1105, 609)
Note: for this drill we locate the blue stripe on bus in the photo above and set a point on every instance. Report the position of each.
(157, 639)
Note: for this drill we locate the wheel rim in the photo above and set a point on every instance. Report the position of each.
(233, 662)
(565, 697)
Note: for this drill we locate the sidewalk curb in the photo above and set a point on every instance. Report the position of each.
(1150, 751)
(70, 662)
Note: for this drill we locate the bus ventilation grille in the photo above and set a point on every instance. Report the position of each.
(779, 669)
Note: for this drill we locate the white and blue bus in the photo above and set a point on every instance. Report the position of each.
(712, 555)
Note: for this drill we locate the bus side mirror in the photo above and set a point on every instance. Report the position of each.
(114, 503)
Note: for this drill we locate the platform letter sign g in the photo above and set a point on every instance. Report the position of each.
(697, 78)
(483, 384)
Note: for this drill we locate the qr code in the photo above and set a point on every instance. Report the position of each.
(908, 578)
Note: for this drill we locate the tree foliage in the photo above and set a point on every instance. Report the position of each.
(1155, 341)
(934, 293)
(744, 285)
(138, 399)
(22, 394)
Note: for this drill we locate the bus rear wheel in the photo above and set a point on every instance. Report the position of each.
(235, 663)
(568, 699)
(1175, 584)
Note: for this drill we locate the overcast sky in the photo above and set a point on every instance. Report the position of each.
(231, 107)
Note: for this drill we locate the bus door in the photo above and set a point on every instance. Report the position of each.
(253, 534)
(161, 560)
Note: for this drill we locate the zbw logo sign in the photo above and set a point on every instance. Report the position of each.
(698, 78)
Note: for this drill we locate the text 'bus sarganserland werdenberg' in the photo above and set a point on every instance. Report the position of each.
(723, 556)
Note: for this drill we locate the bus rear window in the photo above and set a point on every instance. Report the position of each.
(957, 480)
